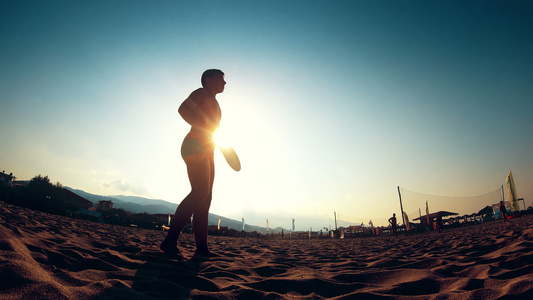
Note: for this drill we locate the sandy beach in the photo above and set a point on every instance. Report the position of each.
(46, 256)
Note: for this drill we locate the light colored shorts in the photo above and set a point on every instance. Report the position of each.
(192, 146)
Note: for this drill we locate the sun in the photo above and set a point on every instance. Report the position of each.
(222, 138)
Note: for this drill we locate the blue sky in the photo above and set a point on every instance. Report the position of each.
(330, 104)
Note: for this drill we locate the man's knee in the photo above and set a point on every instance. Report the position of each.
(201, 195)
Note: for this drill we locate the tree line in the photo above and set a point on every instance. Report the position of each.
(43, 195)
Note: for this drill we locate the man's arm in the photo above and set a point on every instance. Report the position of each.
(191, 113)
(192, 109)
(201, 111)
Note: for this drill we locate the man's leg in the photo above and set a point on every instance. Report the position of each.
(198, 169)
(201, 215)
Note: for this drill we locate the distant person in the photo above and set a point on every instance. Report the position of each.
(392, 222)
(503, 212)
(440, 224)
(202, 112)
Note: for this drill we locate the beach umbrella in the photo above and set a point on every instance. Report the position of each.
(443, 213)
(513, 198)
(427, 212)
(406, 221)
(486, 210)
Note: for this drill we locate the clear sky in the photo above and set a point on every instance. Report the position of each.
(330, 104)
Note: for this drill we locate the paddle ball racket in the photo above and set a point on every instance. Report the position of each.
(231, 157)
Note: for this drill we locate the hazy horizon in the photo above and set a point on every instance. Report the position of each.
(411, 201)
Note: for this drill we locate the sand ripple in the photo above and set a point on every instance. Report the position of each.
(51, 257)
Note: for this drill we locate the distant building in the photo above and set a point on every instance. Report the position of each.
(21, 183)
(7, 179)
(165, 218)
(18, 187)
(73, 200)
(105, 204)
(79, 207)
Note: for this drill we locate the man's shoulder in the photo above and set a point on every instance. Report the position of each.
(198, 94)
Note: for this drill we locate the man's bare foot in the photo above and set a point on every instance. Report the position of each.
(206, 253)
(171, 250)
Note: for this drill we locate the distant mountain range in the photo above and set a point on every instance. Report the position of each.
(154, 206)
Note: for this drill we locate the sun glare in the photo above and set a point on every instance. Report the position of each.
(221, 138)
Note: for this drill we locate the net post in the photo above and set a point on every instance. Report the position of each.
(401, 208)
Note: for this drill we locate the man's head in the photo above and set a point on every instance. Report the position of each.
(213, 79)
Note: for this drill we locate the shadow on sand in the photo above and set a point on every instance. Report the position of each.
(161, 278)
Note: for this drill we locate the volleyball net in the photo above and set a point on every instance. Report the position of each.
(414, 203)
(344, 220)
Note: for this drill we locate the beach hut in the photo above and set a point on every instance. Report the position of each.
(486, 213)
(423, 219)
